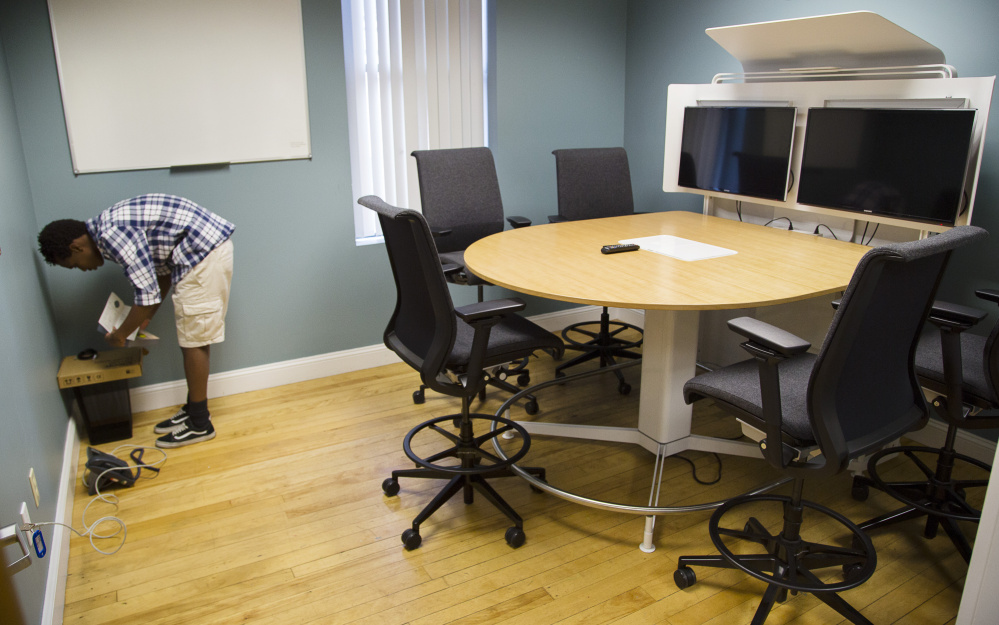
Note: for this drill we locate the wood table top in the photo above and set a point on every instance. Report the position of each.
(563, 261)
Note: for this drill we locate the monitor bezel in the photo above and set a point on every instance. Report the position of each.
(963, 200)
(785, 188)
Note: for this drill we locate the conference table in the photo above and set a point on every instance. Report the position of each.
(563, 261)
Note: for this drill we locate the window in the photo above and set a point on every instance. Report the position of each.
(415, 81)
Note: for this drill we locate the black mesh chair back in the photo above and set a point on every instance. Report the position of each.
(863, 389)
(423, 326)
(459, 191)
(593, 182)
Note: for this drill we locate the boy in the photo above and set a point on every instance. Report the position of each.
(160, 241)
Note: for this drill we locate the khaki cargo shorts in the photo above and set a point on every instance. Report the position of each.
(201, 298)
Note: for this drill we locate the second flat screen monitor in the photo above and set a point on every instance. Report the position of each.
(903, 163)
(741, 150)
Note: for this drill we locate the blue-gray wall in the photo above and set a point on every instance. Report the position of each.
(32, 416)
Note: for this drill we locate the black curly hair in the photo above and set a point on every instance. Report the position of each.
(55, 238)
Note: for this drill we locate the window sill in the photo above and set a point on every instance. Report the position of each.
(372, 240)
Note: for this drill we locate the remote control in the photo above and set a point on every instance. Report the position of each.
(620, 247)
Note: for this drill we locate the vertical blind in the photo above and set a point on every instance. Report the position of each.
(415, 81)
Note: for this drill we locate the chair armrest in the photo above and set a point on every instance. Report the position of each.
(990, 295)
(955, 316)
(770, 345)
(450, 268)
(519, 222)
(439, 232)
(771, 338)
(482, 316)
(494, 308)
(556, 219)
(835, 303)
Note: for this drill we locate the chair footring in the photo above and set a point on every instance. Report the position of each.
(909, 513)
(787, 562)
(940, 495)
(475, 466)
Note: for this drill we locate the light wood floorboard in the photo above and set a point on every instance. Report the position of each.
(281, 519)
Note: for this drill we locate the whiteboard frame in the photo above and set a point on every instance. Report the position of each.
(150, 84)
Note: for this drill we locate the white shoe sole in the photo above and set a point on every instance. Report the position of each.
(189, 441)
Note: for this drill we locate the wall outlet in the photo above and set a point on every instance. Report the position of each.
(34, 486)
(25, 517)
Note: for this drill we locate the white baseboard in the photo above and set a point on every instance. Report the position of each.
(155, 396)
(55, 583)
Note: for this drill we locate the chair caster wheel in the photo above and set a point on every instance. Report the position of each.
(411, 539)
(524, 379)
(684, 577)
(515, 537)
(390, 487)
(624, 388)
(860, 492)
(531, 407)
(419, 397)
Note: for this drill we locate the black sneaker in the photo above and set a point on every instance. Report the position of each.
(172, 424)
(186, 435)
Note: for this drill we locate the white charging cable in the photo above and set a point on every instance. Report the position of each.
(91, 529)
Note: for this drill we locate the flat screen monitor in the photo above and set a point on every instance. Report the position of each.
(742, 150)
(905, 163)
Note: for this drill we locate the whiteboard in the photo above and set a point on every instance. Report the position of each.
(165, 83)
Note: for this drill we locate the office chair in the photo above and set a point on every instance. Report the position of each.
(963, 369)
(593, 183)
(460, 198)
(819, 411)
(451, 348)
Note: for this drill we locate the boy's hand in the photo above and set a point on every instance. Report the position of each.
(115, 338)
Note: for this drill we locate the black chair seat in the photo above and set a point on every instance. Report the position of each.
(738, 386)
(929, 359)
(463, 275)
(512, 339)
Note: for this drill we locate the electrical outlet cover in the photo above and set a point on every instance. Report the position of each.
(25, 517)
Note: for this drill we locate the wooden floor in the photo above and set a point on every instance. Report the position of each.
(281, 519)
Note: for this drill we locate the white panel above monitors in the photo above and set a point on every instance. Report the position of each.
(934, 94)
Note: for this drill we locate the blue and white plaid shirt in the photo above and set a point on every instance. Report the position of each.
(157, 234)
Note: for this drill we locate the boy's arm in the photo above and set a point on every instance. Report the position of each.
(138, 316)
